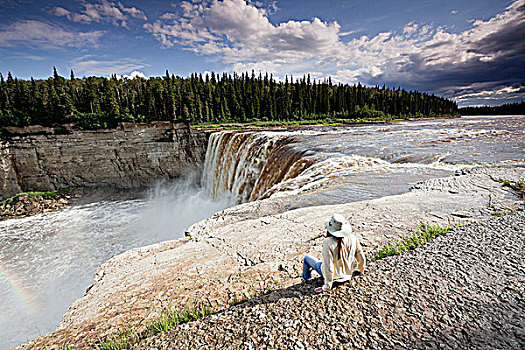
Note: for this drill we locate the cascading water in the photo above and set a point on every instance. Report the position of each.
(47, 261)
(361, 162)
(248, 164)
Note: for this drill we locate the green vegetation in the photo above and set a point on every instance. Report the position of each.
(517, 186)
(294, 123)
(262, 290)
(505, 109)
(424, 233)
(496, 212)
(313, 238)
(99, 102)
(168, 320)
(37, 196)
(491, 205)
(173, 319)
(125, 337)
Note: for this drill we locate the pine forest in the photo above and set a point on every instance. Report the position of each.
(99, 102)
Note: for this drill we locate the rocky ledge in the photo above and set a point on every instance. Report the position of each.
(32, 203)
(27, 204)
(254, 247)
(463, 290)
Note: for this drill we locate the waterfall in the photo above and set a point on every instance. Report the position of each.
(249, 164)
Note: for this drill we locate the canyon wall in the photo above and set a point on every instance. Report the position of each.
(130, 156)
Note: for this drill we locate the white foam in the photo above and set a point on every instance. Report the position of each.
(334, 170)
(54, 255)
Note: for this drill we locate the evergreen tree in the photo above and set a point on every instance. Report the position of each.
(98, 101)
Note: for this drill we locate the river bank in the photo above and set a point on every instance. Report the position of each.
(295, 124)
(240, 251)
(32, 203)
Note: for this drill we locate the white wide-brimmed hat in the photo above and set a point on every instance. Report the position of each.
(337, 226)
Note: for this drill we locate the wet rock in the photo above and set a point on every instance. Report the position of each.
(27, 205)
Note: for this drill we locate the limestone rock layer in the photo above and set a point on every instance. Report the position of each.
(130, 156)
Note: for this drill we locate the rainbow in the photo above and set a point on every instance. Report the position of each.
(16, 287)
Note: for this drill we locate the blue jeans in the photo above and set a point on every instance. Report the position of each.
(310, 263)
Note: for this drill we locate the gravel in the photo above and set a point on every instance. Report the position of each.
(463, 290)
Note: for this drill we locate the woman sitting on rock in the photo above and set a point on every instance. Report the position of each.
(340, 251)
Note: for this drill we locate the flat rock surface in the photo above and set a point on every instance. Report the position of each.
(249, 248)
(463, 290)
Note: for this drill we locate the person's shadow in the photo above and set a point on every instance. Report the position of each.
(293, 291)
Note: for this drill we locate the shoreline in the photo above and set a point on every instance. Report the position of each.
(293, 125)
(138, 284)
(26, 204)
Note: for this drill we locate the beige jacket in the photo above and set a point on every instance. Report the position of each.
(340, 270)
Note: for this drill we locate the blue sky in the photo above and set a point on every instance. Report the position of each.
(471, 51)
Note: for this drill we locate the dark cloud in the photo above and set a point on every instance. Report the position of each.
(496, 70)
(484, 62)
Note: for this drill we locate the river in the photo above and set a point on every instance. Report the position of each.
(47, 261)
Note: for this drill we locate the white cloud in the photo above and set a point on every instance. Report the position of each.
(240, 34)
(44, 34)
(169, 15)
(422, 49)
(60, 11)
(350, 32)
(133, 75)
(243, 37)
(102, 11)
(90, 65)
(133, 12)
(502, 93)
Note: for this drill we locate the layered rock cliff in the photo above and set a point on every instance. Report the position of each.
(130, 156)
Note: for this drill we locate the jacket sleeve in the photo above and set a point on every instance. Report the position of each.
(328, 266)
(360, 257)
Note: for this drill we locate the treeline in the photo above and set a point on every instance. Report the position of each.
(99, 102)
(505, 109)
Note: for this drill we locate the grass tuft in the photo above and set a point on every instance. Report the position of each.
(36, 196)
(173, 318)
(424, 233)
(313, 238)
(168, 320)
(517, 186)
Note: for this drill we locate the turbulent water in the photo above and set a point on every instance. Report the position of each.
(47, 261)
(362, 162)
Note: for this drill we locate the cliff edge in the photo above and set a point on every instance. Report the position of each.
(131, 156)
(462, 290)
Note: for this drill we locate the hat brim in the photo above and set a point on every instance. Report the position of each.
(345, 230)
(329, 227)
